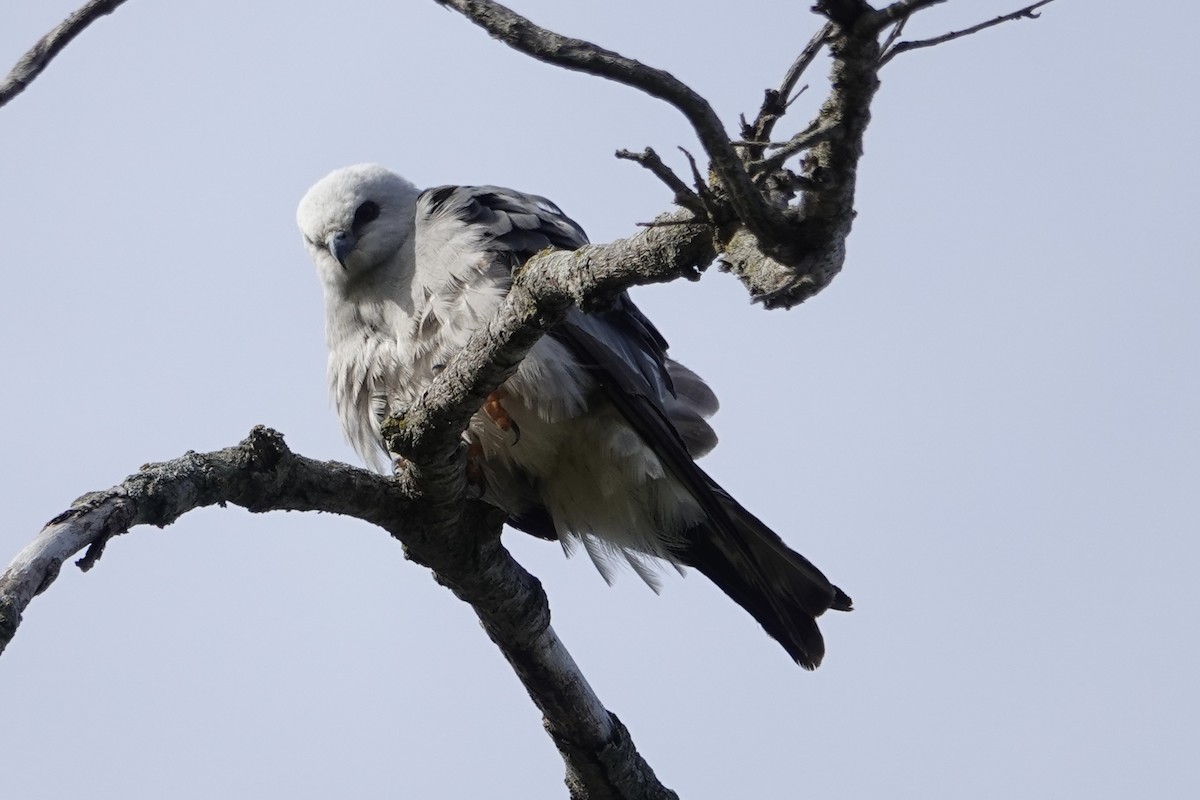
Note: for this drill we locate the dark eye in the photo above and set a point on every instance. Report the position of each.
(364, 214)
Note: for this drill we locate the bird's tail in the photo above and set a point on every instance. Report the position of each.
(778, 586)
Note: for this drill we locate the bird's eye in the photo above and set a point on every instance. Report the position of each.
(366, 212)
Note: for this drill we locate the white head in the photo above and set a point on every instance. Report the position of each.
(355, 219)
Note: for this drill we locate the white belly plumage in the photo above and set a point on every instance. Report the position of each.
(570, 450)
(591, 471)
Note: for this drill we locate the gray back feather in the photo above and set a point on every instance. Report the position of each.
(519, 225)
(508, 221)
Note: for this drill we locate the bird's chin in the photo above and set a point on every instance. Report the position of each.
(355, 264)
(353, 267)
(332, 273)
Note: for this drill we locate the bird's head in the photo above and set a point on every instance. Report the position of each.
(355, 219)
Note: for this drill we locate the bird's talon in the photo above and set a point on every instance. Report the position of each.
(497, 413)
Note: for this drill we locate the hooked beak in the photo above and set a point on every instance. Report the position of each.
(340, 244)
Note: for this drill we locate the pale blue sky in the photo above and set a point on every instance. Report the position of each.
(985, 430)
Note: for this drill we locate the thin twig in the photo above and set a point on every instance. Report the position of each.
(774, 105)
(667, 223)
(903, 47)
(775, 145)
(705, 194)
(818, 131)
(894, 34)
(683, 195)
(33, 62)
(796, 96)
(902, 9)
(805, 59)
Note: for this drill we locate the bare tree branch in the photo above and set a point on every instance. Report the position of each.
(262, 474)
(894, 34)
(575, 54)
(684, 196)
(825, 214)
(35, 60)
(903, 47)
(800, 256)
(259, 474)
(817, 131)
(901, 9)
(776, 101)
(702, 190)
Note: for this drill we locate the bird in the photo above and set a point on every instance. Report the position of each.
(592, 441)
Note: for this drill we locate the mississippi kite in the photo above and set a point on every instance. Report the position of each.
(592, 441)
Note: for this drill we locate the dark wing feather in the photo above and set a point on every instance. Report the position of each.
(780, 588)
(512, 223)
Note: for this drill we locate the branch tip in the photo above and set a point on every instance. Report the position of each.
(772, 110)
(35, 60)
(684, 196)
(893, 48)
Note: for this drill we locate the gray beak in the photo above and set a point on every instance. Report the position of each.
(340, 244)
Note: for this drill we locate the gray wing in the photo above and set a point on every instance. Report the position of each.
(627, 356)
(781, 589)
(515, 226)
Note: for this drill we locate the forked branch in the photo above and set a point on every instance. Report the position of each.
(685, 196)
(776, 101)
(575, 54)
(262, 474)
(1028, 12)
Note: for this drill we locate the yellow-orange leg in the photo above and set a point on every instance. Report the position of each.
(498, 414)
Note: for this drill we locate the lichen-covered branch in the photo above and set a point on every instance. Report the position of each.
(37, 57)
(798, 249)
(262, 474)
(783, 235)
(826, 213)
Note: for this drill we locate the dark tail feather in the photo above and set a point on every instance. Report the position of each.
(778, 586)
